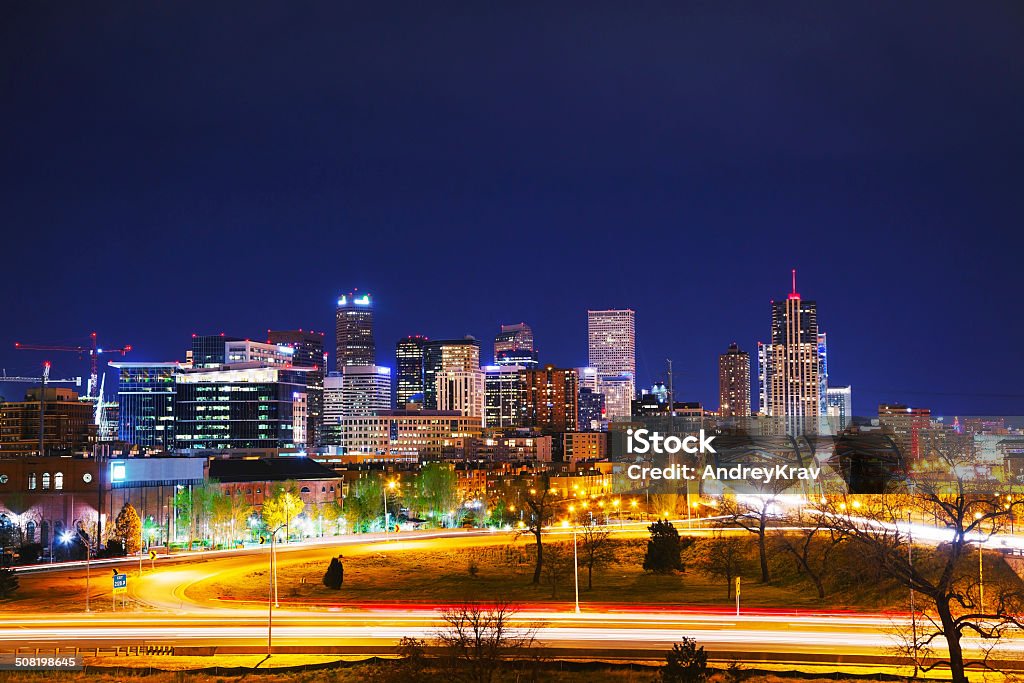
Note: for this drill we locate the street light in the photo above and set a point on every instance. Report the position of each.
(272, 590)
(390, 486)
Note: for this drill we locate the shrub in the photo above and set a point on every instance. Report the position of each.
(663, 548)
(686, 663)
(335, 574)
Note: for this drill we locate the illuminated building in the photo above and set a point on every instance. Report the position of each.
(409, 370)
(462, 390)
(405, 434)
(591, 415)
(734, 383)
(247, 406)
(587, 378)
(145, 392)
(611, 345)
(840, 406)
(906, 425)
(247, 351)
(354, 331)
(502, 389)
(68, 425)
(308, 352)
(549, 398)
(447, 354)
(792, 364)
(514, 346)
(208, 350)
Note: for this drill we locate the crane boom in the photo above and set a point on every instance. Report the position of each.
(93, 351)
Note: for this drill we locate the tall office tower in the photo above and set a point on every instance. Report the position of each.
(840, 406)
(446, 354)
(611, 337)
(246, 406)
(409, 366)
(208, 350)
(822, 374)
(462, 390)
(502, 388)
(353, 329)
(764, 371)
(734, 383)
(550, 399)
(591, 412)
(905, 424)
(145, 392)
(356, 391)
(514, 346)
(792, 366)
(611, 345)
(307, 352)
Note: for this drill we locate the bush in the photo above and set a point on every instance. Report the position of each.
(335, 574)
(114, 548)
(686, 663)
(30, 553)
(664, 548)
(8, 583)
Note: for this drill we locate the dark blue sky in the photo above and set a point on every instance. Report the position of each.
(170, 168)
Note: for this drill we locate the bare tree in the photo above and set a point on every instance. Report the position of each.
(811, 547)
(477, 638)
(538, 499)
(596, 547)
(945, 574)
(755, 514)
(720, 557)
(558, 565)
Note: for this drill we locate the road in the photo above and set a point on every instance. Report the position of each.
(167, 615)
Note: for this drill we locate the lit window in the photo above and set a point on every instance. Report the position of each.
(58, 481)
(46, 481)
(32, 482)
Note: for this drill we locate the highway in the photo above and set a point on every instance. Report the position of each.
(166, 614)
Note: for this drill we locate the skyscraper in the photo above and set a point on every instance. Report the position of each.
(446, 354)
(409, 370)
(790, 373)
(307, 352)
(356, 391)
(354, 331)
(514, 346)
(591, 411)
(734, 383)
(611, 345)
(550, 398)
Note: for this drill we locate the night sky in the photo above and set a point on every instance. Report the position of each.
(170, 168)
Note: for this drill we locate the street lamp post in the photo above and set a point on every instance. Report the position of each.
(271, 592)
(576, 568)
(384, 492)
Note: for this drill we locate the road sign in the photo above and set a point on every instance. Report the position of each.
(263, 539)
(152, 554)
(120, 583)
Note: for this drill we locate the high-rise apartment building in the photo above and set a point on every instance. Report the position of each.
(145, 393)
(503, 385)
(840, 407)
(550, 398)
(791, 374)
(906, 425)
(68, 426)
(591, 413)
(353, 328)
(447, 354)
(514, 346)
(409, 370)
(462, 390)
(308, 352)
(734, 383)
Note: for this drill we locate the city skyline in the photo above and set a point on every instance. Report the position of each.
(682, 175)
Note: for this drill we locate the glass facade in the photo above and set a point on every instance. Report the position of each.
(145, 394)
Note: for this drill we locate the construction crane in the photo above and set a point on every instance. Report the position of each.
(93, 351)
(42, 382)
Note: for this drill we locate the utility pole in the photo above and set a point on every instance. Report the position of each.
(671, 393)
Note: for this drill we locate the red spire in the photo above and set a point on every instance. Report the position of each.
(794, 294)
